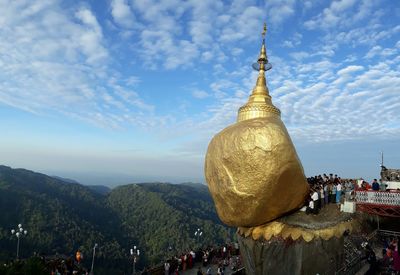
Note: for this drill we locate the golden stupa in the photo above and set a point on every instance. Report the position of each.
(251, 167)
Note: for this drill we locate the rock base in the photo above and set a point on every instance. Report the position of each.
(278, 256)
(297, 243)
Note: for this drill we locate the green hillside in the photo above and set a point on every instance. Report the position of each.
(62, 217)
(161, 215)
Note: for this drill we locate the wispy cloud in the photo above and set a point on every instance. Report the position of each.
(336, 14)
(200, 94)
(57, 60)
(279, 10)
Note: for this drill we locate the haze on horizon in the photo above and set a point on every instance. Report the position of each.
(102, 93)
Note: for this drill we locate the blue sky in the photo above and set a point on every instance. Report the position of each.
(120, 91)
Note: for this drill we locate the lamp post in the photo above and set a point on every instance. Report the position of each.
(169, 253)
(134, 254)
(94, 253)
(198, 234)
(19, 232)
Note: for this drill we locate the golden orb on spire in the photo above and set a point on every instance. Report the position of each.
(252, 169)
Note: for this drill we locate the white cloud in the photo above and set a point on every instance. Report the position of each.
(295, 41)
(299, 55)
(308, 4)
(337, 15)
(91, 39)
(56, 60)
(236, 51)
(200, 94)
(202, 26)
(321, 101)
(350, 69)
(158, 46)
(279, 10)
(122, 13)
(242, 25)
(378, 50)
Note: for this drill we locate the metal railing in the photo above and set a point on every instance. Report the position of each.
(353, 254)
(388, 233)
(377, 197)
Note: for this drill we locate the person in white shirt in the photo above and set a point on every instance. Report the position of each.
(166, 268)
(314, 198)
(310, 208)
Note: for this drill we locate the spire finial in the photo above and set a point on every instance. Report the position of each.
(264, 31)
(263, 59)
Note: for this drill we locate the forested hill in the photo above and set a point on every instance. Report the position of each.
(62, 217)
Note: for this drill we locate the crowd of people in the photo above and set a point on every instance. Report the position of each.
(375, 185)
(64, 265)
(391, 255)
(327, 189)
(225, 256)
(40, 264)
(389, 263)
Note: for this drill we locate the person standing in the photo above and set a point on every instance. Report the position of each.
(322, 196)
(396, 261)
(310, 207)
(314, 198)
(190, 260)
(205, 258)
(326, 193)
(166, 268)
(224, 252)
(371, 259)
(184, 262)
(382, 186)
(333, 193)
(375, 185)
(338, 192)
(78, 257)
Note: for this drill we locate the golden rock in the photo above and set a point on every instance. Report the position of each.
(252, 169)
(253, 172)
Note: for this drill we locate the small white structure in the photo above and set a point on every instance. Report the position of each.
(392, 185)
(348, 207)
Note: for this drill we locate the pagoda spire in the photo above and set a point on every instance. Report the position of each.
(259, 103)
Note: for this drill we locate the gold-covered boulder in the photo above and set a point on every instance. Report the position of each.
(253, 172)
(252, 169)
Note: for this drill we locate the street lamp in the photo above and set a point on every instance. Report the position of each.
(94, 253)
(198, 234)
(169, 253)
(134, 254)
(19, 232)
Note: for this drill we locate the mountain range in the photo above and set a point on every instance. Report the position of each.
(62, 216)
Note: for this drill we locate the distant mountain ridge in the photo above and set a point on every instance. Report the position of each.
(100, 189)
(65, 179)
(62, 217)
